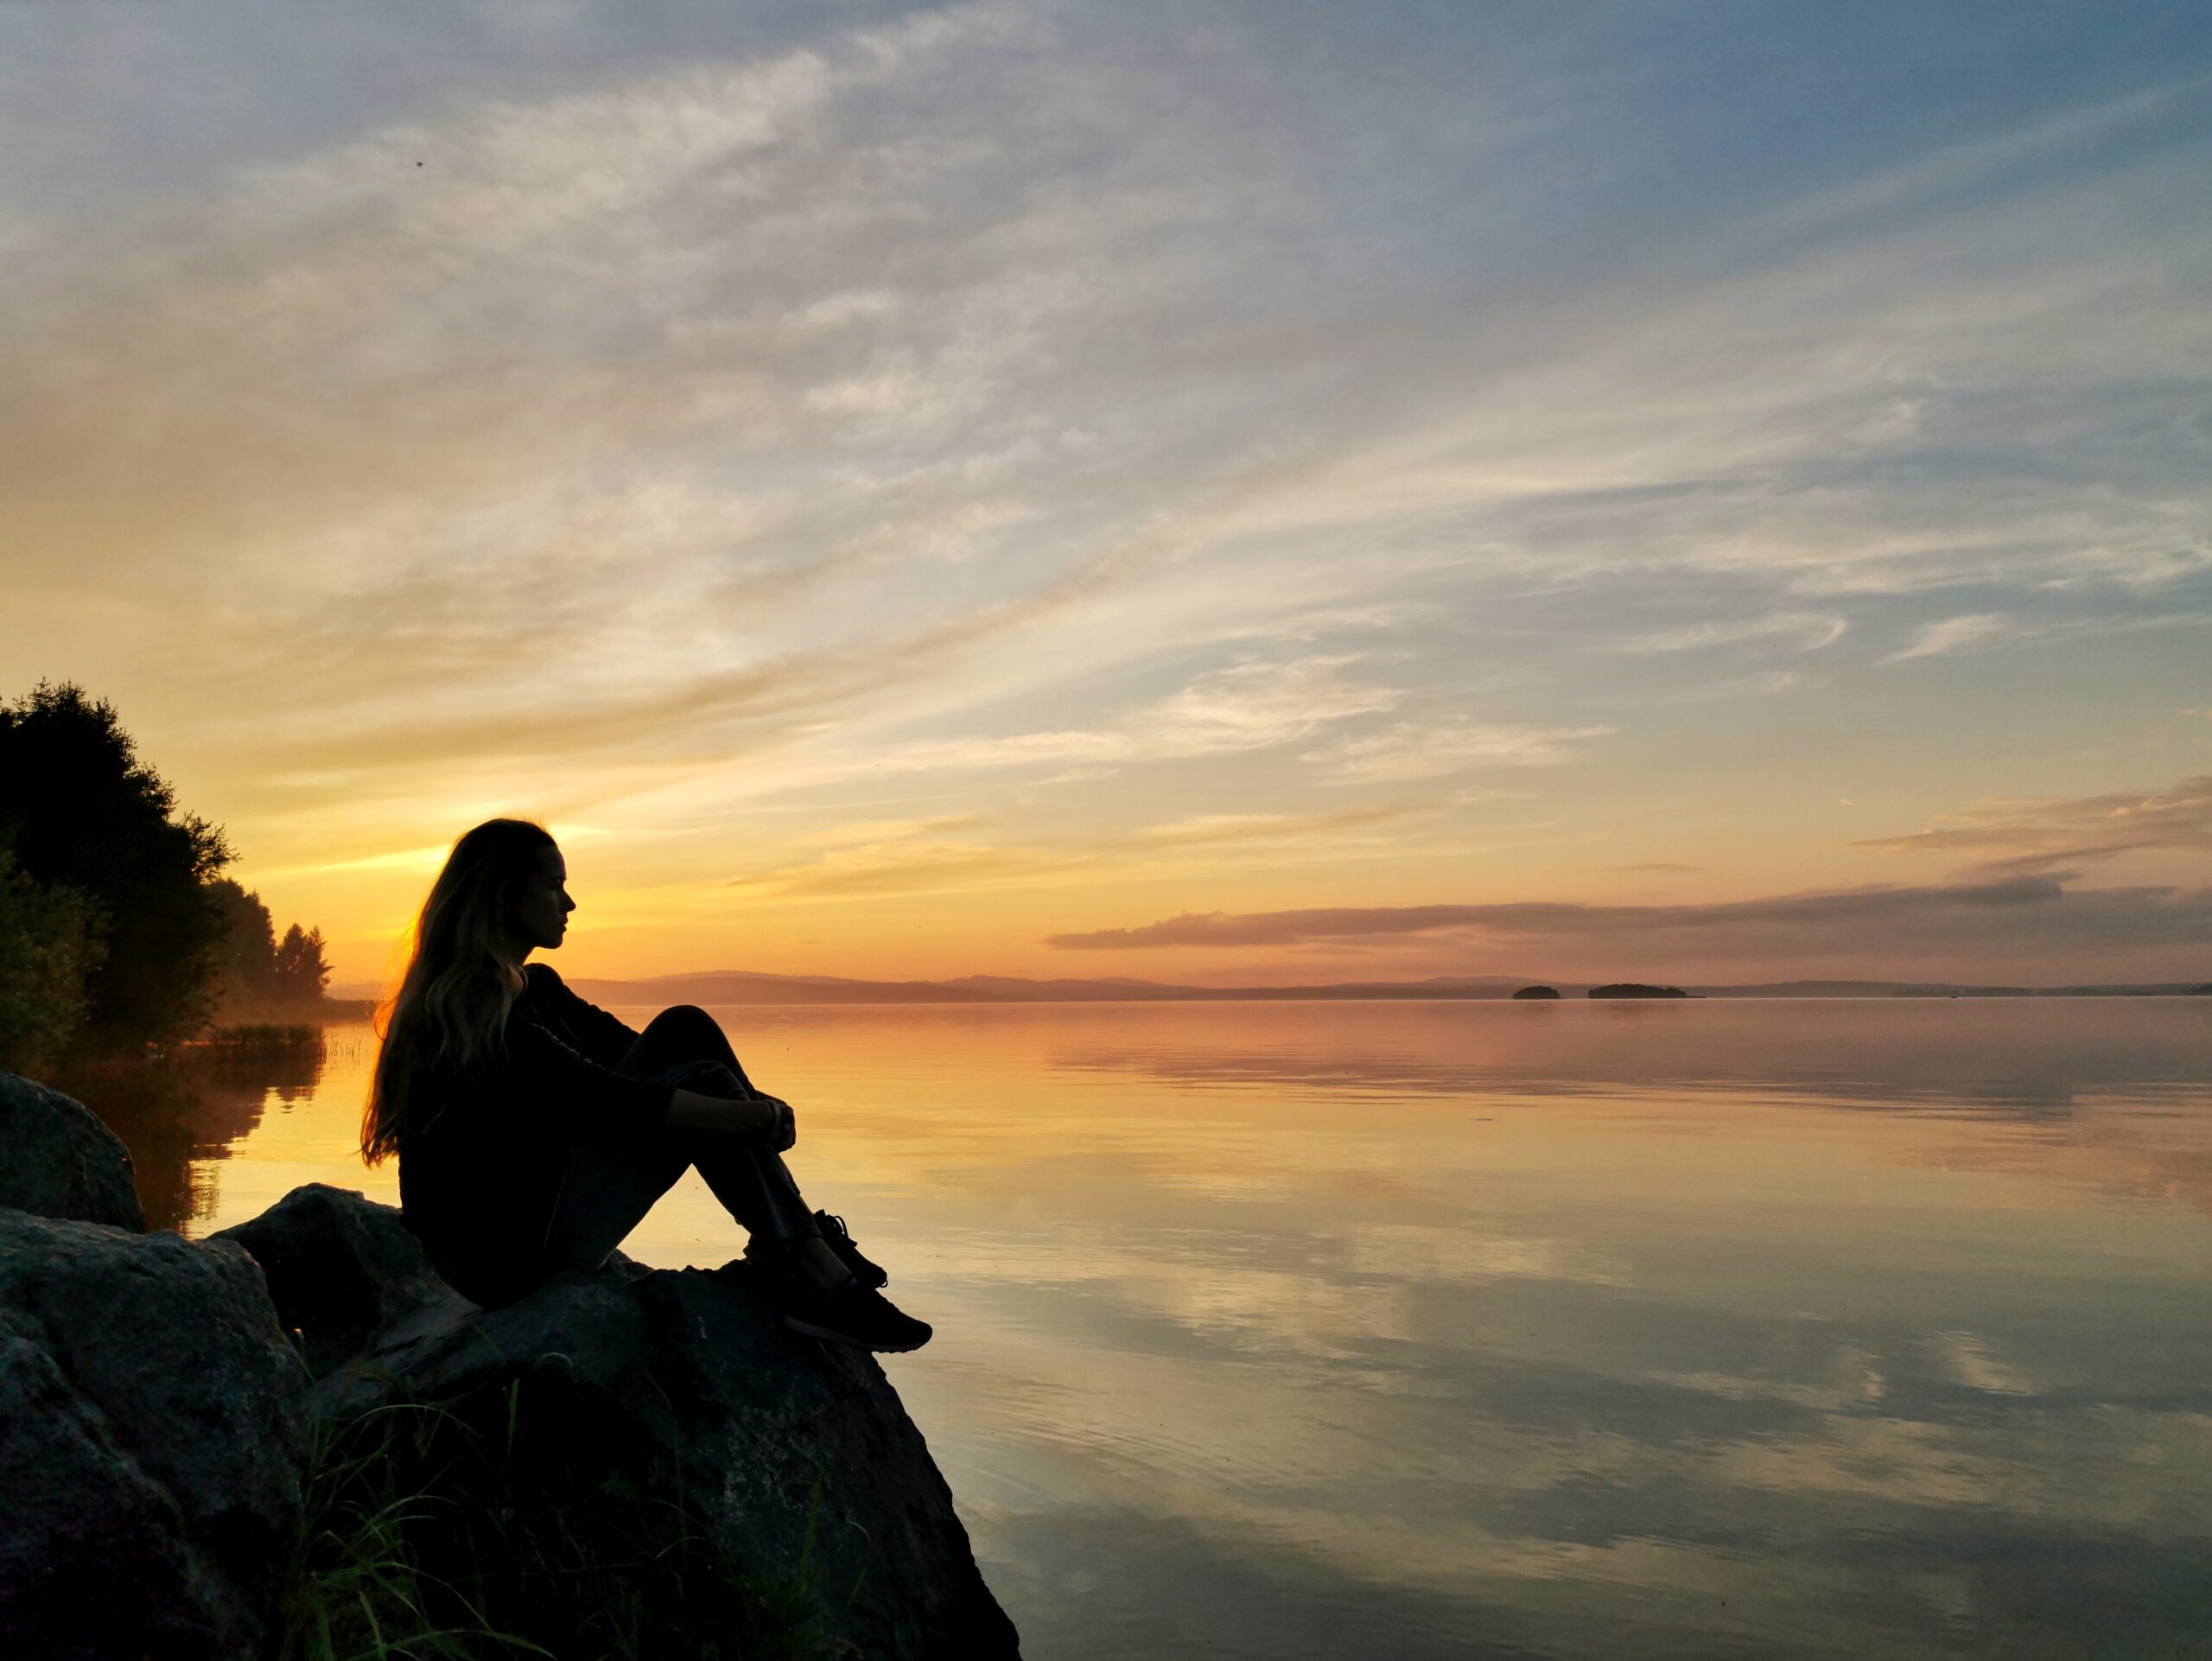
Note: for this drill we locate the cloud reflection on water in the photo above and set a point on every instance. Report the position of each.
(1772, 1374)
(2011, 1054)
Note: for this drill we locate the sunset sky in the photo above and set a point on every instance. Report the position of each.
(1216, 493)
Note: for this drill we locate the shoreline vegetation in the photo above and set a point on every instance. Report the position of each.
(257, 1038)
(120, 939)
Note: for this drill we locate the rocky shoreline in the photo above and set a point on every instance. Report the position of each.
(633, 1461)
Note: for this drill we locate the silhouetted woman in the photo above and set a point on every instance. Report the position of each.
(534, 1131)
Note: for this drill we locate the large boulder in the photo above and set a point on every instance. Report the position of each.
(62, 1160)
(152, 1435)
(341, 1269)
(792, 1457)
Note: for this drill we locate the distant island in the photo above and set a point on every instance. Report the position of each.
(1539, 993)
(738, 987)
(1635, 990)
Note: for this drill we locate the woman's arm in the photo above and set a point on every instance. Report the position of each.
(756, 1116)
(601, 1104)
(690, 1110)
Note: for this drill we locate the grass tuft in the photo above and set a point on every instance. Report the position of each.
(466, 1529)
(257, 1038)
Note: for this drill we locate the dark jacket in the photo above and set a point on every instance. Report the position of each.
(482, 1158)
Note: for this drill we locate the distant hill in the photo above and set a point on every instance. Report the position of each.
(730, 986)
(1015, 986)
(742, 986)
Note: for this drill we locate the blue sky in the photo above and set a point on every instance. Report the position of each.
(899, 488)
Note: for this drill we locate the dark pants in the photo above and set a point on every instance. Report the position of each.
(605, 1195)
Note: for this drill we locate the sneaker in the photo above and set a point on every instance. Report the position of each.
(841, 1242)
(855, 1315)
(763, 1250)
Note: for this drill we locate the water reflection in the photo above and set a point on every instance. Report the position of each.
(2026, 1058)
(2053, 1069)
(1690, 1330)
(179, 1115)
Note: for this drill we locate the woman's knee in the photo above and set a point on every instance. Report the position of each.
(684, 1017)
(688, 1032)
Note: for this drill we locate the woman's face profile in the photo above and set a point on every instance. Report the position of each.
(541, 903)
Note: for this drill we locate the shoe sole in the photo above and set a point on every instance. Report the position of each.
(836, 1337)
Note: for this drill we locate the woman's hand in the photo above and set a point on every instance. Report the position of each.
(785, 1133)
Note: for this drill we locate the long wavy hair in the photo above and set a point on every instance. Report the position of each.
(450, 1007)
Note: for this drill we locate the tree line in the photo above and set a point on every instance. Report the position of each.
(116, 928)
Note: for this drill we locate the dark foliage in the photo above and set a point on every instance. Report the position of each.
(244, 963)
(483, 1527)
(299, 973)
(83, 814)
(253, 970)
(47, 946)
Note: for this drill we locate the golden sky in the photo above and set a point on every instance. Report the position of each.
(1214, 492)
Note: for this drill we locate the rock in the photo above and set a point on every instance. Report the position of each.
(62, 1160)
(152, 1433)
(795, 1456)
(341, 1269)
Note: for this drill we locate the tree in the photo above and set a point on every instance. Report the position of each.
(301, 973)
(244, 963)
(47, 948)
(84, 813)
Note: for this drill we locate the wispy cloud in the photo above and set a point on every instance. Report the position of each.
(1795, 631)
(2062, 834)
(1211, 830)
(2015, 921)
(1532, 918)
(929, 856)
(1250, 705)
(1408, 751)
(1953, 634)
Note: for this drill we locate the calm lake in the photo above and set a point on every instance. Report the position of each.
(1699, 1330)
